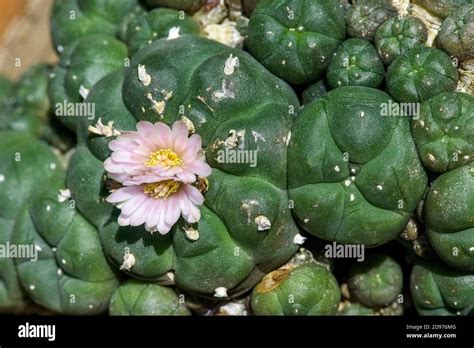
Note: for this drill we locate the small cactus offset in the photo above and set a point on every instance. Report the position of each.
(307, 289)
(438, 289)
(376, 282)
(134, 297)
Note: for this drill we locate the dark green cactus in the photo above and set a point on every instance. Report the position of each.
(398, 35)
(72, 275)
(308, 289)
(354, 173)
(6, 87)
(246, 227)
(135, 297)
(441, 8)
(190, 6)
(74, 19)
(296, 39)
(366, 16)
(449, 211)
(157, 24)
(315, 91)
(438, 289)
(456, 35)
(444, 131)
(353, 308)
(355, 63)
(376, 282)
(83, 63)
(421, 73)
(26, 164)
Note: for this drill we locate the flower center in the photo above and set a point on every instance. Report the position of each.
(162, 189)
(165, 158)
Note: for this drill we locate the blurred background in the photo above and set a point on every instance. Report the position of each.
(24, 35)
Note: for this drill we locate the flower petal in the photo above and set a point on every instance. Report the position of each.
(180, 136)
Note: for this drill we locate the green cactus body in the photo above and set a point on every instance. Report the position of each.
(398, 35)
(28, 109)
(438, 289)
(449, 211)
(355, 63)
(296, 39)
(190, 6)
(421, 73)
(355, 309)
(6, 88)
(456, 35)
(308, 289)
(354, 173)
(314, 92)
(72, 275)
(376, 282)
(82, 65)
(157, 24)
(25, 165)
(74, 19)
(135, 297)
(246, 227)
(366, 16)
(441, 8)
(444, 130)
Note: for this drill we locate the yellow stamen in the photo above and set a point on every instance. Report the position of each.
(165, 158)
(162, 189)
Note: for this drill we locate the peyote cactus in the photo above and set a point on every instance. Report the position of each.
(376, 282)
(456, 35)
(449, 209)
(349, 308)
(83, 63)
(366, 16)
(438, 289)
(308, 289)
(195, 169)
(441, 8)
(157, 24)
(27, 109)
(355, 63)
(315, 91)
(72, 275)
(74, 19)
(25, 164)
(231, 103)
(397, 35)
(185, 5)
(6, 87)
(421, 73)
(27, 105)
(135, 297)
(354, 173)
(296, 39)
(444, 131)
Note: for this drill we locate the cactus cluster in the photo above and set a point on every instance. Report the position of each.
(238, 157)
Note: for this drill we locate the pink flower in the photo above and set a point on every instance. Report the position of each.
(156, 165)
(156, 150)
(158, 205)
